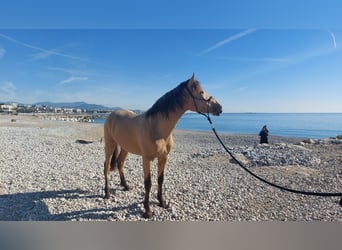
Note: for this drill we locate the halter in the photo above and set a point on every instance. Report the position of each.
(200, 99)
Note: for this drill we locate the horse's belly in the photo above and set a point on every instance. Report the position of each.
(162, 147)
(148, 149)
(129, 144)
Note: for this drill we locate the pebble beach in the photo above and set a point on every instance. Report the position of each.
(53, 171)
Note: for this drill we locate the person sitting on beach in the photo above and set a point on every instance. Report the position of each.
(263, 135)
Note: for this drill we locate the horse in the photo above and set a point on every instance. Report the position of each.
(149, 134)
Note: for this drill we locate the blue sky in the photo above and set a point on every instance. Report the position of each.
(247, 68)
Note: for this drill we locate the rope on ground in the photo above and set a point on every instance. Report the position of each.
(325, 194)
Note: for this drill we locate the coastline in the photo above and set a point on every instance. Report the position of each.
(47, 175)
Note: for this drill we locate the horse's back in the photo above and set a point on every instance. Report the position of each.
(118, 116)
(122, 113)
(119, 119)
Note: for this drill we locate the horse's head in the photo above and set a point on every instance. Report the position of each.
(201, 101)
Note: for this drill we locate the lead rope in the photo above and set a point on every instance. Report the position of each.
(261, 179)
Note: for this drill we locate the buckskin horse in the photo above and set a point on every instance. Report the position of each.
(150, 134)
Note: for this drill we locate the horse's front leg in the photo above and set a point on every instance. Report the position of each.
(148, 184)
(111, 154)
(161, 166)
(109, 162)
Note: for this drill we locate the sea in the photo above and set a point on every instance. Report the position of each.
(301, 125)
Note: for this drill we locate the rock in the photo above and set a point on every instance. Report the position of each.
(336, 141)
(280, 154)
(309, 141)
(83, 142)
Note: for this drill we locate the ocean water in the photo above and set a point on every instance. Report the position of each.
(305, 125)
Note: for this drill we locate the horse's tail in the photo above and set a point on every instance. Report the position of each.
(113, 164)
(113, 161)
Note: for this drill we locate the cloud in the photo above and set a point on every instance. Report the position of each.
(74, 79)
(67, 70)
(2, 51)
(8, 90)
(48, 53)
(8, 87)
(262, 59)
(44, 52)
(333, 38)
(228, 40)
(240, 89)
(43, 55)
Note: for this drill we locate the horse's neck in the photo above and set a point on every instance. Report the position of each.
(164, 125)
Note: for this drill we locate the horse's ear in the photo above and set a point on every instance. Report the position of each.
(192, 79)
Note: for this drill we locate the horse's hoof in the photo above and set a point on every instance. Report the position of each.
(148, 214)
(164, 205)
(123, 183)
(107, 196)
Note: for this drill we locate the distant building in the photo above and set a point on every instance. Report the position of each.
(58, 110)
(68, 110)
(9, 108)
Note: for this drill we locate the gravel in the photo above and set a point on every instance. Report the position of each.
(46, 175)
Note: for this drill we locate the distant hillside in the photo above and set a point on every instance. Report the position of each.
(76, 105)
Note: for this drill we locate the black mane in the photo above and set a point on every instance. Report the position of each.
(169, 102)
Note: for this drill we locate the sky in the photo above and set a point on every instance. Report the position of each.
(247, 68)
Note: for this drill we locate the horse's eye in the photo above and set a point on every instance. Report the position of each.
(202, 92)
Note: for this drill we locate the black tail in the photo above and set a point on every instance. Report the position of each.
(113, 161)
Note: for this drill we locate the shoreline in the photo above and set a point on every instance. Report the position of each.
(24, 120)
(85, 119)
(46, 175)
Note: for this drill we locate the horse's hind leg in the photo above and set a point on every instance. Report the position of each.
(106, 173)
(110, 151)
(120, 163)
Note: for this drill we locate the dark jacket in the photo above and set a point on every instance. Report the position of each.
(263, 135)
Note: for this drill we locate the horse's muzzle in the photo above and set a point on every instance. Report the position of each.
(216, 109)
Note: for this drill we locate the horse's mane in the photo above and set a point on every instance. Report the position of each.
(169, 102)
